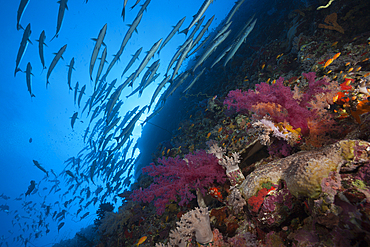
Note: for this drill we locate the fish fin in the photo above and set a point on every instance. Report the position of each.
(94, 39)
(32, 95)
(30, 41)
(104, 44)
(185, 31)
(67, 7)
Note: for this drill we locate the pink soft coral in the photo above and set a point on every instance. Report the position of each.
(178, 176)
(295, 111)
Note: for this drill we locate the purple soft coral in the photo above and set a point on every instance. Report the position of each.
(296, 111)
(178, 176)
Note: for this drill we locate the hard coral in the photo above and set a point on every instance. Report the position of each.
(193, 223)
(303, 172)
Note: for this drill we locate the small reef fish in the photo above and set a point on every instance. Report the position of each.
(331, 60)
(141, 240)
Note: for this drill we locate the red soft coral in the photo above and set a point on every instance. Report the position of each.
(177, 177)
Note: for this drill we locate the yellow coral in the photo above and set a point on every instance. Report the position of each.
(331, 20)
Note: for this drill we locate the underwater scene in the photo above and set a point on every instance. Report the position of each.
(191, 123)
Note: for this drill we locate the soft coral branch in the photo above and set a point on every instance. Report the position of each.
(177, 177)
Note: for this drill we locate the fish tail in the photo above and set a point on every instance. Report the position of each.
(55, 36)
(19, 27)
(185, 31)
(16, 71)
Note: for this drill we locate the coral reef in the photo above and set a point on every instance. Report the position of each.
(304, 171)
(287, 123)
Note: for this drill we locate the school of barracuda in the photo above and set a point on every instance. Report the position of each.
(105, 158)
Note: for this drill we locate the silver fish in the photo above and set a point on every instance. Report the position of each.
(177, 54)
(152, 69)
(76, 90)
(54, 62)
(22, 47)
(62, 7)
(195, 79)
(172, 33)
(28, 78)
(101, 65)
(198, 15)
(158, 89)
(234, 9)
(200, 45)
(205, 28)
(128, 35)
(133, 59)
(181, 59)
(37, 164)
(70, 68)
(143, 7)
(73, 119)
(221, 56)
(239, 42)
(99, 42)
(145, 61)
(137, 2)
(124, 9)
(82, 92)
(41, 41)
(22, 6)
(211, 49)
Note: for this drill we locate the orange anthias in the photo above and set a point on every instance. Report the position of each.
(362, 107)
(141, 240)
(331, 60)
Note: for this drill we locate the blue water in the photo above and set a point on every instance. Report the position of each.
(39, 128)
